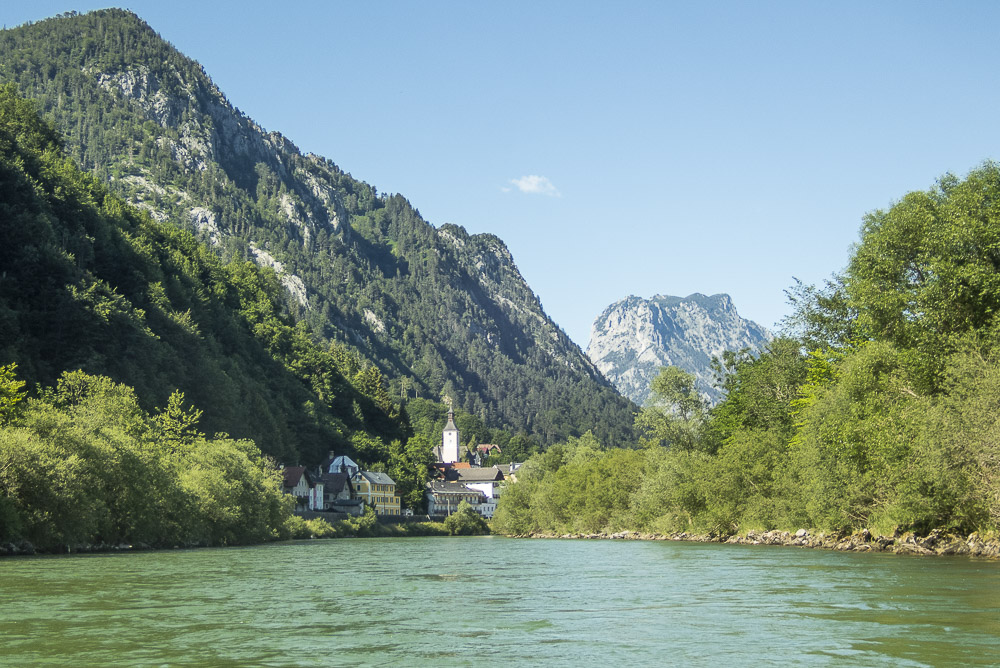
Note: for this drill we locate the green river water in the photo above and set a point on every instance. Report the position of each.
(497, 601)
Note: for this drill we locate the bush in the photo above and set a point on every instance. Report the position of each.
(85, 464)
(295, 527)
(320, 528)
(466, 522)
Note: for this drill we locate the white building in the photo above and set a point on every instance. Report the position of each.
(450, 440)
(487, 482)
(443, 497)
(488, 503)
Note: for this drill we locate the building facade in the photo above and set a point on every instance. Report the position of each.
(308, 492)
(443, 497)
(377, 490)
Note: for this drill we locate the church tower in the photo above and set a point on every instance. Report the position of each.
(449, 444)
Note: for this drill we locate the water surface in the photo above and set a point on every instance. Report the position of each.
(493, 601)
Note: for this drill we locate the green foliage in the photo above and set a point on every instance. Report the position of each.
(879, 413)
(298, 528)
(956, 455)
(408, 467)
(466, 522)
(576, 486)
(11, 392)
(431, 311)
(821, 318)
(177, 424)
(761, 391)
(91, 283)
(926, 271)
(365, 526)
(85, 464)
(675, 414)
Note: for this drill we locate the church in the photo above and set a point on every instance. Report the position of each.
(447, 452)
(450, 440)
(457, 480)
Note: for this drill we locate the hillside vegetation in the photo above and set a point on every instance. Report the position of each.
(436, 311)
(91, 283)
(122, 311)
(878, 409)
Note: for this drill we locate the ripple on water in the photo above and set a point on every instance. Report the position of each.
(473, 601)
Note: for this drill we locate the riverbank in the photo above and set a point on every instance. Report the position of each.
(299, 529)
(936, 543)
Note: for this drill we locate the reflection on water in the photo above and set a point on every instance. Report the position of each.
(472, 601)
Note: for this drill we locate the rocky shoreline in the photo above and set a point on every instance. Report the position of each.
(936, 543)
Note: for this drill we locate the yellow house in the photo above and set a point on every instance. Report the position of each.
(377, 490)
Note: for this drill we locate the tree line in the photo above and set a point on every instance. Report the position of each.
(876, 409)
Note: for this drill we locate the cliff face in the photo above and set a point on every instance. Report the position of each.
(438, 310)
(634, 337)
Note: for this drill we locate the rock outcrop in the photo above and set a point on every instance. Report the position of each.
(634, 337)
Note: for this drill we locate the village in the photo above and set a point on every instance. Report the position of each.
(339, 486)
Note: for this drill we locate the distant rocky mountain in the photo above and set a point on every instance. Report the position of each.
(437, 310)
(634, 337)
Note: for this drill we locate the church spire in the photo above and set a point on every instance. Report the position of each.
(449, 437)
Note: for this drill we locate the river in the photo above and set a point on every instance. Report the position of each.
(497, 601)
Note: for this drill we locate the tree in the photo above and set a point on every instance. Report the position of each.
(852, 449)
(675, 412)
(177, 424)
(466, 522)
(928, 270)
(11, 393)
(408, 468)
(760, 390)
(518, 449)
(822, 317)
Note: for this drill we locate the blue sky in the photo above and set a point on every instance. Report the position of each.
(619, 148)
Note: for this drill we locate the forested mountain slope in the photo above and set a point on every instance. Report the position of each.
(439, 311)
(88, 282)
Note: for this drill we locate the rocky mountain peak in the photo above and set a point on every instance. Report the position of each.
(634, 337)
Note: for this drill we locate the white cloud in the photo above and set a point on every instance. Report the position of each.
(535, 185)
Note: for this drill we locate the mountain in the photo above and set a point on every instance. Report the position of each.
(88, 282)
(438, 311)
(634, 337)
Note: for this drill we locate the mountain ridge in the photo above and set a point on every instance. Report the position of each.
(633, 337)
(440, 312)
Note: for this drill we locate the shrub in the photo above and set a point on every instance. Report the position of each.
(466, 522)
